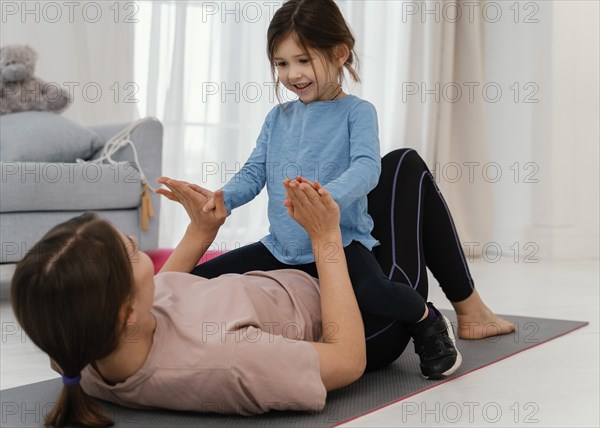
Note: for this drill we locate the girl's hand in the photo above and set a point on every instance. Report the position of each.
(209, 205)
(194, 198)
(315, 185)
(312, 207)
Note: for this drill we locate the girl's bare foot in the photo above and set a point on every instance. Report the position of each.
(477, 321)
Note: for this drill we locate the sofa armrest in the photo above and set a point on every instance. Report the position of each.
(147, 138)
(108, 130)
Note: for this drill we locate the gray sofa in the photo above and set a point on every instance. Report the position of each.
(35, 196)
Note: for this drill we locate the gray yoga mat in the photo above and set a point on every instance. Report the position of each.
(27, 405)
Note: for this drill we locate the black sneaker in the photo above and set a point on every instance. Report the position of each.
(435, 345)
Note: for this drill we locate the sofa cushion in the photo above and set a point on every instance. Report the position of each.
(54, 186)
(37, 136)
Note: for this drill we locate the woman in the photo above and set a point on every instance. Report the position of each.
(86, 296)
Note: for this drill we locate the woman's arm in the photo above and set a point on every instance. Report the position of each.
(342, 354)
(203, 226)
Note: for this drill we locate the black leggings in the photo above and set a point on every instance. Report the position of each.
(415, 229)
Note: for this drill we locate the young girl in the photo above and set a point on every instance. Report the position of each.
(332, 137)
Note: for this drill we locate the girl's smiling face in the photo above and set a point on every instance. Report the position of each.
(306, 75)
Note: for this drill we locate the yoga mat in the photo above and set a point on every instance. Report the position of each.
(27, 405)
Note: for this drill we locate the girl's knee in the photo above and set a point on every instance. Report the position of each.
(396, 155)
(410, 159)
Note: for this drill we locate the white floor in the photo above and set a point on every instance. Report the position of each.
(554, 384)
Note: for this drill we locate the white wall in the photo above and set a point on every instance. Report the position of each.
(558, 215)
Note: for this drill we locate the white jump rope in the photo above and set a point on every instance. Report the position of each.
(116, 143)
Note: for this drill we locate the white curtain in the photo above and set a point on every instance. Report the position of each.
(207, 78)
(208, 81)
(415, 57)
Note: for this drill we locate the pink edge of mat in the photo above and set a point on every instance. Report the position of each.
(461, 375)
(160, 256)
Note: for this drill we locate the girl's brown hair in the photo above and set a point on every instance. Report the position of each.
(67, 294)
(314, 24)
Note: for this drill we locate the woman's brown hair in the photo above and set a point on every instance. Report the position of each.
(67, 294)
(314, 24)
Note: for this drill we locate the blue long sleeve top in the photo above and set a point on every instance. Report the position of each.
(335, 142)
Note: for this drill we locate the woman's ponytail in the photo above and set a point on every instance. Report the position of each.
(75, 407)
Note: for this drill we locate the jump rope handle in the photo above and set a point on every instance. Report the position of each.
(147, 210)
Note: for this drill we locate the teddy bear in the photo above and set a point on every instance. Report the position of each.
(20, 90)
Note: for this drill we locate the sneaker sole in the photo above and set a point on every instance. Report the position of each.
(457, 363)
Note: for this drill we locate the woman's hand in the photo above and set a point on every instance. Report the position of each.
(208, 206)
(194, 199)
(170, 195)
(312, 207)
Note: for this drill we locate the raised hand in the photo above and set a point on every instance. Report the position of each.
(170, 195)
(194, 199)
(312, 207)
(315, 185)
(210, 204)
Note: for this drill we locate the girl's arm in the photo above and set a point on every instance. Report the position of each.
(342, 355)
(203, 226)
(250, 180)
(247, 183)
(365, 160)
